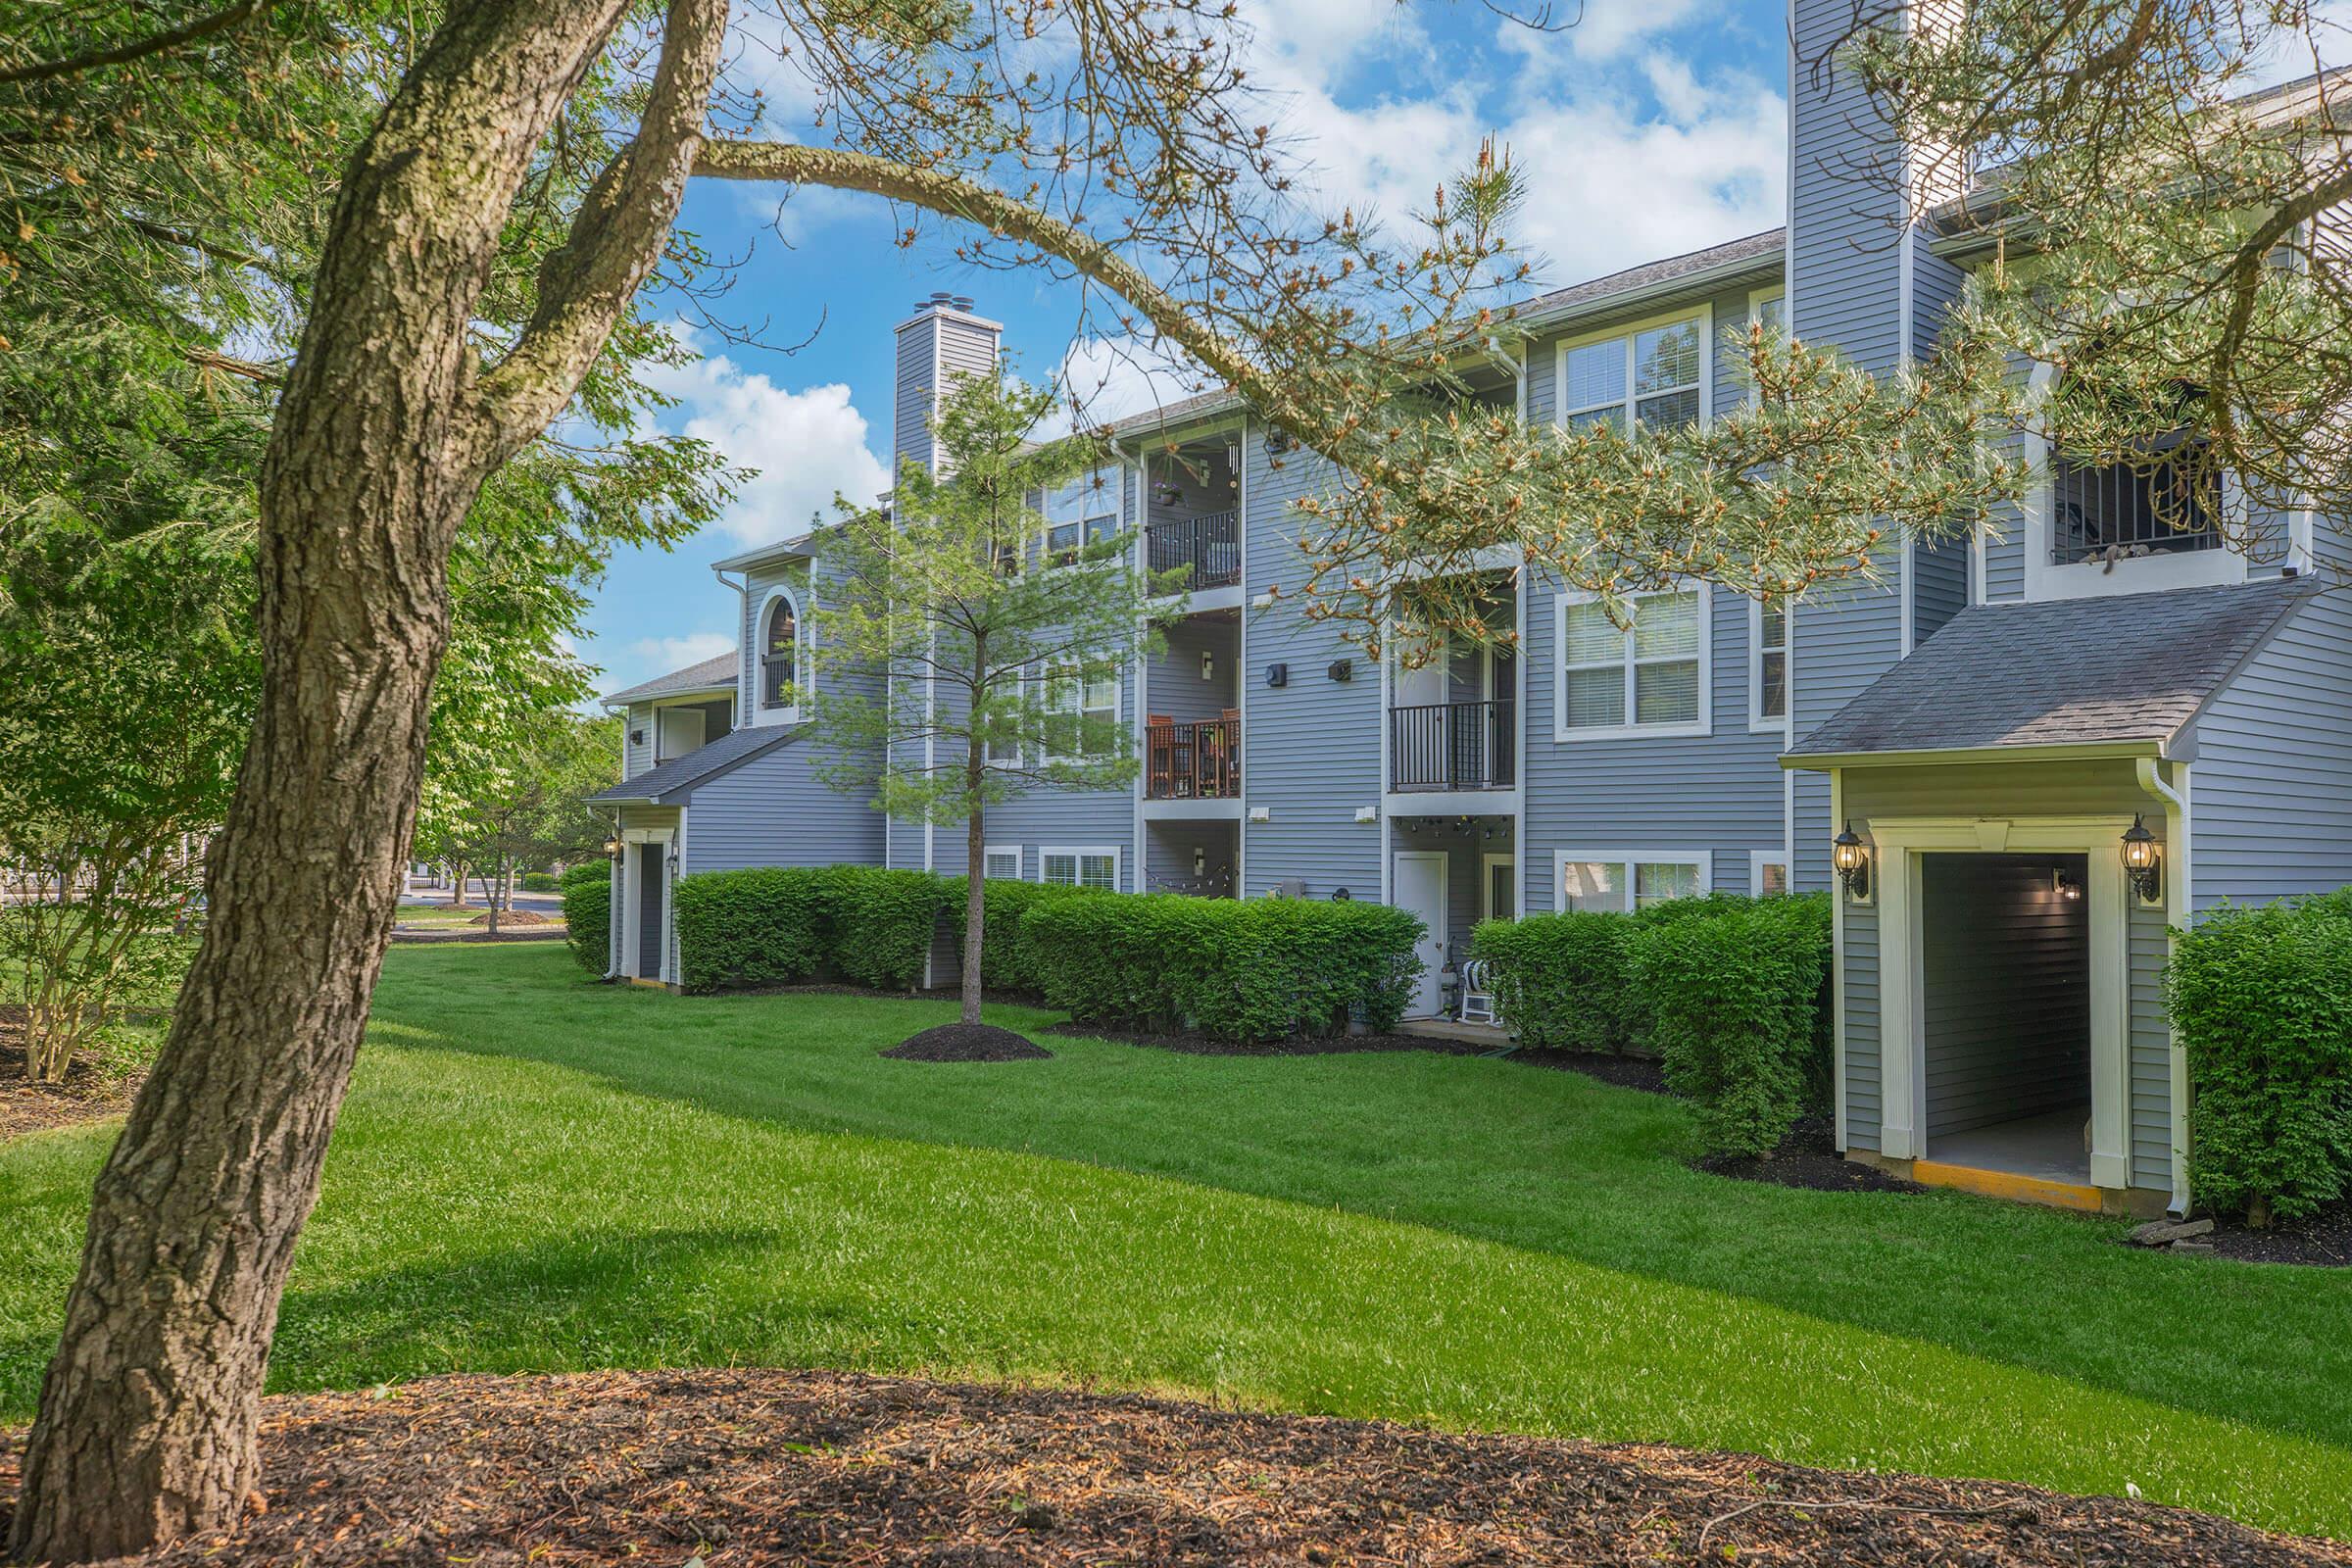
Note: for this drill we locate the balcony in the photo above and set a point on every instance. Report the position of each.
(1440, 747)
(1209, 547)
(1196, 761)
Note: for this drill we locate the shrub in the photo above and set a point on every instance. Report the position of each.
(879, 924)
(588, 914)
(1253, 969)
(749, 928)
(543, 881)
(1004, 957)
(2262, 1001)
(1560, 979)
(1734, 994)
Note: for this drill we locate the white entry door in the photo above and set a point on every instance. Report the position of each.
(1418, 887)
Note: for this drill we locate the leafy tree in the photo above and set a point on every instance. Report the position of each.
(528, 809)
(946, 630)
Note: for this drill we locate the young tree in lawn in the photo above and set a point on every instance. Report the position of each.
(950, 627)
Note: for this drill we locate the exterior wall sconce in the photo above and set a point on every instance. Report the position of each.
(1277, 440)
(2065, 886)
(1200, 861)
(2140, 861)
(636, 737)
(612, 848)
(1850, 859)
(1209, 664)
(1278, 675)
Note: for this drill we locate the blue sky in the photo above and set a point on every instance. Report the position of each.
(1648, 127)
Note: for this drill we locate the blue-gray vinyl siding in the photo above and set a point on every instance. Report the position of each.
(1172, 683)
(1715, 796)
(2271, 790)
(1310, 749)
(777, 811)
(2005, 998)
(637, 740)
(2151, 1064)
(1859, 1000)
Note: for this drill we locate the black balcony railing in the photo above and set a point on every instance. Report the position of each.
(1208, 546)
(1453, 745)
(2120, 510)
(1199, 761)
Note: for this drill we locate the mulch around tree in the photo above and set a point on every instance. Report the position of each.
(406, 936)
(508, 918)
(757, 1467)
(86, 1094)
(966, 1042)
(1198, 1045)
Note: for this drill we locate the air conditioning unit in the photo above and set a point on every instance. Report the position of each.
(1290, 887)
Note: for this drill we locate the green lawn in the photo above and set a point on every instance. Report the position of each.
(535, 1172)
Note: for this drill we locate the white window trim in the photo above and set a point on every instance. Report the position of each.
(1509, 861)
(991, 852)
(1760, 722)
(803, 678)
(1757, 861)
(1119, 709)
(1757, 299)
(2091, 579)
(1081, 852)
(1705, 724)
(1096, 495)
(1627, 859)
(1564, 415)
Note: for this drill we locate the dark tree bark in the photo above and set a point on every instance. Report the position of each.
(388, 428)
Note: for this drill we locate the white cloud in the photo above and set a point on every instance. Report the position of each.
(1113, 377)
(807, 446)
(662, 654)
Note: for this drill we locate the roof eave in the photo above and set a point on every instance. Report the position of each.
(1705, 279)
(2158, 745)
(628, 698)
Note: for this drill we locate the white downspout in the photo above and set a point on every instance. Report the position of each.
(2177, 914)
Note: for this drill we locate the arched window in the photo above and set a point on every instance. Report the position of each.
(779, 653)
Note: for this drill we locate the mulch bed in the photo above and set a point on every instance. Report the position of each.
(1626, 1072)
(759, 1467)
(1192, 1044)
(1807, 1157)
(86, 1094)
(431, 934)
(966, 1042)
(2322, 1241)
(508, 918)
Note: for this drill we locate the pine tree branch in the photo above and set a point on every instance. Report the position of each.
(140, 49)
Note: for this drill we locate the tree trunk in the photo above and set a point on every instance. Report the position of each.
(975, 898)
(457, 898)
(496, 893)
(148, 1416)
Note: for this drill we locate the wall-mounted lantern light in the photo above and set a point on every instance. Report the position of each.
(2139, 860)
(1278, 440)
(1209, 664)
(1851, 858)
(1200, 861)
(2069, 887)
(612, 848)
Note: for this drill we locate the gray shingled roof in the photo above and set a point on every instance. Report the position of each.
(2134, 667)
(709, 674)
(673, 781)
(1751, 251)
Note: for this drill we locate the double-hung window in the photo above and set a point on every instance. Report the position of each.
(1087, 517)
(1080, 702)
(1768, 665)
(1646, 678)
(1651, 377)
(1079, 868)
(1628, 880)
(1001, 864)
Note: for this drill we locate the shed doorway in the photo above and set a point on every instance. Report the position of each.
(2005, 1013)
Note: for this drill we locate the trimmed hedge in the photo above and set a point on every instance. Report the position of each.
(2261, 999)
(543, 881)
(1235, 970)
(779, 925)
(1005, 963)
(1559, 978)
(588, 914)
(1736, 999)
